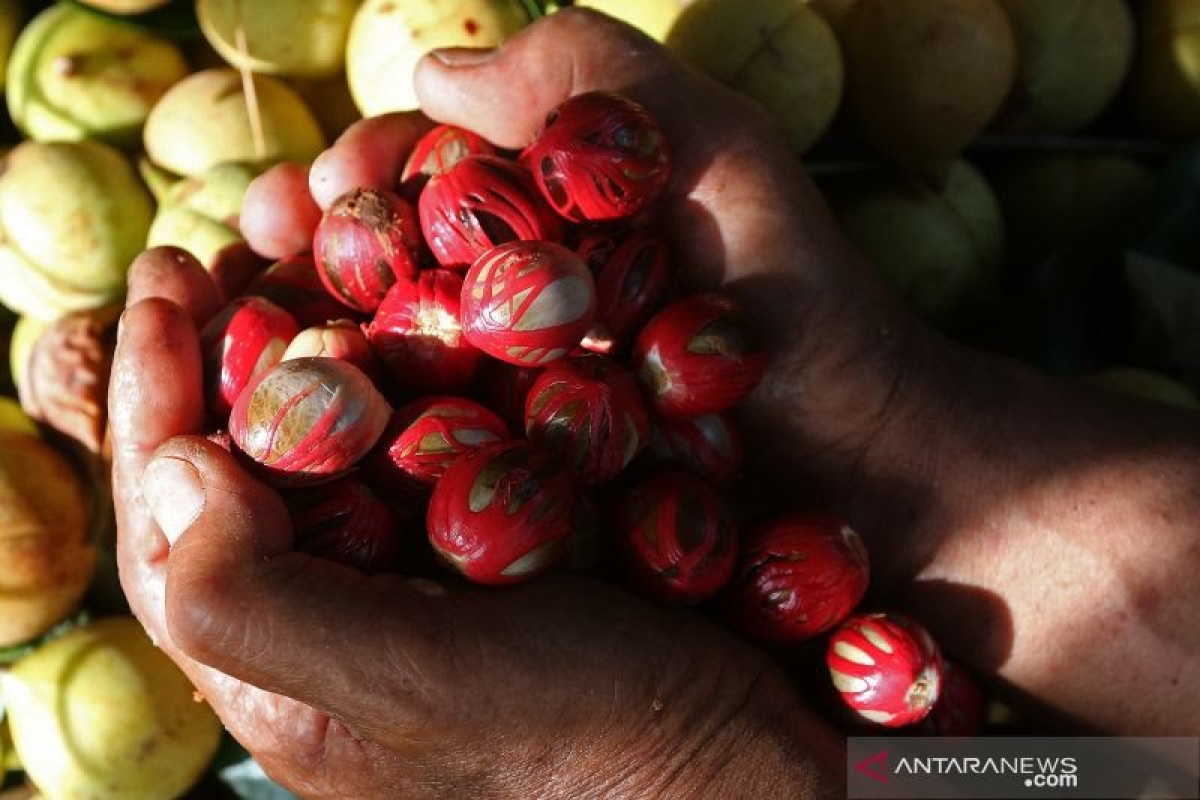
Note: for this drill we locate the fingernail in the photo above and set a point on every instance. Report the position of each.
(464, 56)
(174, 492)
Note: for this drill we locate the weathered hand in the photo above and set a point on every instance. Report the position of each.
(348, 686)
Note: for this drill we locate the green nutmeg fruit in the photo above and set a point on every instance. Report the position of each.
(75, 75)
(939, 246)
(73, 215)
(46, 557)
(1072, 56)
(100, 712)
(388, 37)
(200, 214)
(779, 52)
(277, 37)
(1165, 87)
(655, 18)
(924, 77)
(207, 119)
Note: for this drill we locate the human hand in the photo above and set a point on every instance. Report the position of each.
(937, 455)
(348, 686)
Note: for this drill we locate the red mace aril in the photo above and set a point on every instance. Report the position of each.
(960, 708)
(246, 338)
(799, 575)
(503, 387)
(308, 420)
(528, 303)
(425, 437)
(438, 151)
(587, 410)
(698, 356)
(365, 241)
(480, 202)
(418, 334)
(886, 667)
(633, 274)
(678, 538)
(599, 156)
(502, 514)
(294, 285)
(340, 339)
(345, 522)
(708, 446)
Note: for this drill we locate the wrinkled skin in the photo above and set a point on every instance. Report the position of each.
(1008, 549)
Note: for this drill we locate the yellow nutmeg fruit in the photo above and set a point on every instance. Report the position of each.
(924, 77)
(101, 713)
(1165, 87)
(75, 74)
(46, 560)
(387, 38)
(779, 52)
(1072, 57)
(938, 246)
(652, 17)
(279, 37)
(207, 119)
(72, 217)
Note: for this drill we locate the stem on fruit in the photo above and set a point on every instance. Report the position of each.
(249, 90)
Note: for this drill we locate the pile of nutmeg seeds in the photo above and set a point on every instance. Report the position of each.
(487, 344)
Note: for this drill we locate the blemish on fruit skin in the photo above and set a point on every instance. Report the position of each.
(471, 26)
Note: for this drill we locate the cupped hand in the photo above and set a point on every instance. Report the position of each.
(349, 686)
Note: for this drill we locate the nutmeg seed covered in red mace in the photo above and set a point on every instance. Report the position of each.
(365, 241)
(588, 411)
(633, 274)
(887, 668)
(480, 202)
(425, 437)
(308, 420)
(599, 156)
(528, 303)
(244, 339)
(698, 356)
(799, 575)
(345, 522)
(438, 151)
(678, 537)
(418, 334)
(502, 514)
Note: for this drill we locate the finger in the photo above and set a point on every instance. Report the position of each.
(174, 274)
(736, 189)
(505, 94)
(154, 394)
(279, 214)
(371, 153)
(240, 600)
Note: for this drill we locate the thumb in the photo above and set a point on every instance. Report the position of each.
(504, 95)
(240, 600)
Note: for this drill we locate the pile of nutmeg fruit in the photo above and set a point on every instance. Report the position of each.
(468, 358)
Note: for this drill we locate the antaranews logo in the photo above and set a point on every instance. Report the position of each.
(975, 767)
